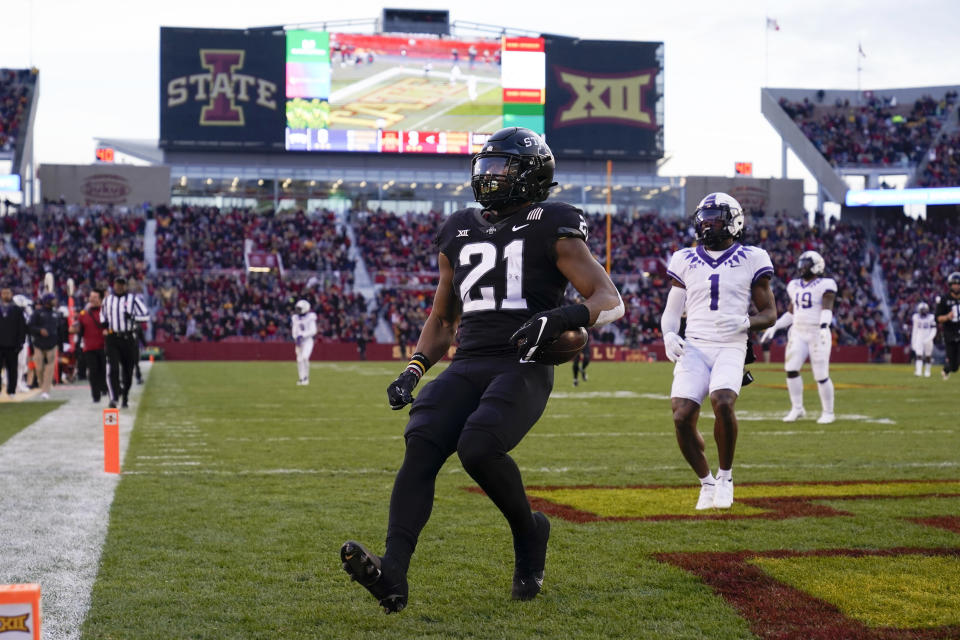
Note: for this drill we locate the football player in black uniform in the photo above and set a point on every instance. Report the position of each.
(948, 315)
(580, 363)
(503, 271)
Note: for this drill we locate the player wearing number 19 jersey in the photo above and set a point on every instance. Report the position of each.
(811, 314)
(716, 281)
(503, 272)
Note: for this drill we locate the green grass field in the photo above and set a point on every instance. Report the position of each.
(14, 417)
(239, 488)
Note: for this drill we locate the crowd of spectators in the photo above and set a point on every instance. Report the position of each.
(202, 291)
(16, 88)
(916, 259)
(640, 245)
(877, 132)
(92, 246)
(233, 305)
(190, 238)
(943, 166)
(858, 317)
(398, 247)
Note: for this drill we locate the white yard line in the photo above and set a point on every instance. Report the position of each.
(454, 468)
(55, 500)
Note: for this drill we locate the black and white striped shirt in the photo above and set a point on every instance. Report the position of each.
(121, 313)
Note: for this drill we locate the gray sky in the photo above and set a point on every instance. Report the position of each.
(99, 59)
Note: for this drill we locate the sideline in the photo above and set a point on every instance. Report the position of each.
(55, 501)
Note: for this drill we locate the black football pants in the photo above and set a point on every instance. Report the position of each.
(952, 360)
(8, 361)
(96, 362)
(122, 354)
(479, 409)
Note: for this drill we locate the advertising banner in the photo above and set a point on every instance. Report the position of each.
(116, 184)
(222, 89)
(604, 99)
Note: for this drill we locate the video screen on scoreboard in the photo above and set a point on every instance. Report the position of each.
(401, 94)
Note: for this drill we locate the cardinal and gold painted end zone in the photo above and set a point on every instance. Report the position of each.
(836, 593)
(773, 501)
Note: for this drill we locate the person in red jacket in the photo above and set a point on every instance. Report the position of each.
(91, 330)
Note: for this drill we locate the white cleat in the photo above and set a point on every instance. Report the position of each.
(705, 501)
(723, 496)
(44, 396)
(826, 418)
(795, 414)
(926, 375)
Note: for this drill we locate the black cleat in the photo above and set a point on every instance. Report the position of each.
(113, 404)
(529, 563)
(125, 404)
(366, 568)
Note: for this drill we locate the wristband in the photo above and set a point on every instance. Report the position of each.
(575, 315)
(418, 364)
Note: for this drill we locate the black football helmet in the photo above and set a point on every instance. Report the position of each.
(718, 218)
(953, 278)
(514, 166)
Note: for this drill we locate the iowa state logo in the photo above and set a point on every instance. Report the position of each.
(223, 88)
(606, 98)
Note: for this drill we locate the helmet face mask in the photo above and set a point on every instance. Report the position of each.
(923, 308)
(515, 166)
(718, 218)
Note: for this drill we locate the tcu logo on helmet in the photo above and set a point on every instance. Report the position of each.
(222, 87)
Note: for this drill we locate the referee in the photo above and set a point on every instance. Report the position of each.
(120, 313)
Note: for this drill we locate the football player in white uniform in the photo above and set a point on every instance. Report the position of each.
(921, 339)
(716, 281)
(304, 327)
(811, 314)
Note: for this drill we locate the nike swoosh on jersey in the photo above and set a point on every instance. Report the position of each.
(517, 227)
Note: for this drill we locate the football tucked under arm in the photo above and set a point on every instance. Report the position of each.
(546, 327)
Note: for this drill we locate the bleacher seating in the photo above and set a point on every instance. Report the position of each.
(916, 260)
(943, 168)
(879, 132)
(16, 87)
(202, 292)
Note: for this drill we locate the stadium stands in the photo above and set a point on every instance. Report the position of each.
(916, 260)
(230, 306)
(857, 316)
(879, 132)
(16, 86)
(943, 168)
(90, 246)
(202, 291)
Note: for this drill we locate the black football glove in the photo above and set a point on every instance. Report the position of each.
(545, 327)
(400, 391)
